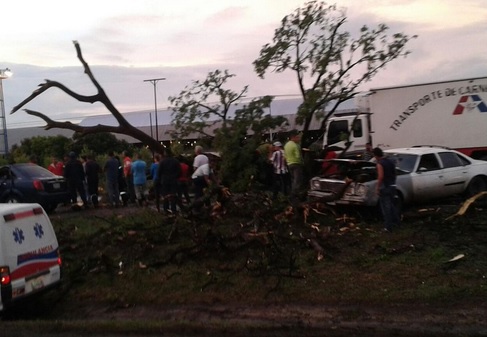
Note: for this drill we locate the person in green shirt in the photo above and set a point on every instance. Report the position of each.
(294, 159)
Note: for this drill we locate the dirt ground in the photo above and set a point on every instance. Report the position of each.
(466, 319)
(335, 320)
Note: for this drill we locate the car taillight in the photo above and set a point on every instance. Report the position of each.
(4, 276)
(59, 259)
(38, 185)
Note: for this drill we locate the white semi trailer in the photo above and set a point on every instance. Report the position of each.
(452, 114)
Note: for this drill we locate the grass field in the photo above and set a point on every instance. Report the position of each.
(250, 252)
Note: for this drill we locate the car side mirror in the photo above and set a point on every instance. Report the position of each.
(422, 169)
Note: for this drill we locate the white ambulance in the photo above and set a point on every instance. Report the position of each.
(29, 252)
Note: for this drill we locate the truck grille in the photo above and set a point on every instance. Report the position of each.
(331, 186)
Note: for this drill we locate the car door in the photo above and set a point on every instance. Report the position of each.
(428, 180)
(455, 173)
(5, 182)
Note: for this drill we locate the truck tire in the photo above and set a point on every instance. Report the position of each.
(477, 184)
(399, 202)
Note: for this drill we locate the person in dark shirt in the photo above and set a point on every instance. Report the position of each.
(75, 176)
(113, 174)
(92, 171)
(386, 189)
(168, 173)
(183, 181)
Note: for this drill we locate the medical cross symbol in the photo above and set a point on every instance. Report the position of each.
(18, 236)
(38, 230)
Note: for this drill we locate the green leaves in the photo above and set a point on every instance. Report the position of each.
(329, 62)
(204, 104)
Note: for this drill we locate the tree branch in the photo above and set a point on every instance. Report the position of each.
(124, 126)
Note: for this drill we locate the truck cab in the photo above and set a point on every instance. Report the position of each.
(353, 127)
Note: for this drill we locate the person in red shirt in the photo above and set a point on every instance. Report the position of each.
(329, 169)
(129, 178)
(183, 182)
(56, 166)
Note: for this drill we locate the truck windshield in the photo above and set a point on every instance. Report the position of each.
(337, 131)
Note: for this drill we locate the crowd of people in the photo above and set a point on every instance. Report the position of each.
(127, 179)
(288, 175)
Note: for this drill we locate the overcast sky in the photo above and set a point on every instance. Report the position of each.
(126, 42)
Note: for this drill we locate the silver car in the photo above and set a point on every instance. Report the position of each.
(423, 174)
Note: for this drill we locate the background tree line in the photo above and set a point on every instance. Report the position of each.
(44, 148)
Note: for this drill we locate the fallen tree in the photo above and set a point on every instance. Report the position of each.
(124, 127)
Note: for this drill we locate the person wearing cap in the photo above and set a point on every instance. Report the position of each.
(294, 159)
(75, 177)
(280, 171)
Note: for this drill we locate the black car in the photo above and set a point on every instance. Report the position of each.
(26, 183)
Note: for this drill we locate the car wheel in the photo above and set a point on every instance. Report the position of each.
(12, 199)
(50, 208)
(476, 185)
(399, 202)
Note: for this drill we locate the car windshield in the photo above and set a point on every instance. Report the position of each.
(403, 161)
(35, 171)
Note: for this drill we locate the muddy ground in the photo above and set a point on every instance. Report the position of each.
(455, 319)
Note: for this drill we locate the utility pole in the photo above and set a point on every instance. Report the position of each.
(4, 74)
(154, 83)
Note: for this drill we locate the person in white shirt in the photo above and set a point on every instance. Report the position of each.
(280, 171)
(200, 158)
(202, 178)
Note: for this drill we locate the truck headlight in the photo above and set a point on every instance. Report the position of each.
(315, 184)
(361, 190)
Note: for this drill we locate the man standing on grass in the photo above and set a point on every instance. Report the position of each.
(168, 174)
(294, 159)
(92, 171)
(140, 179)
(386, 189)
(127, 173)
(75, 177)
(280, 171)
(111, 170)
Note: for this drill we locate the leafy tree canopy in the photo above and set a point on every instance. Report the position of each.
(98, 143)
(209, 109)
(205, 105)
(42, 148)
(329, 62)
